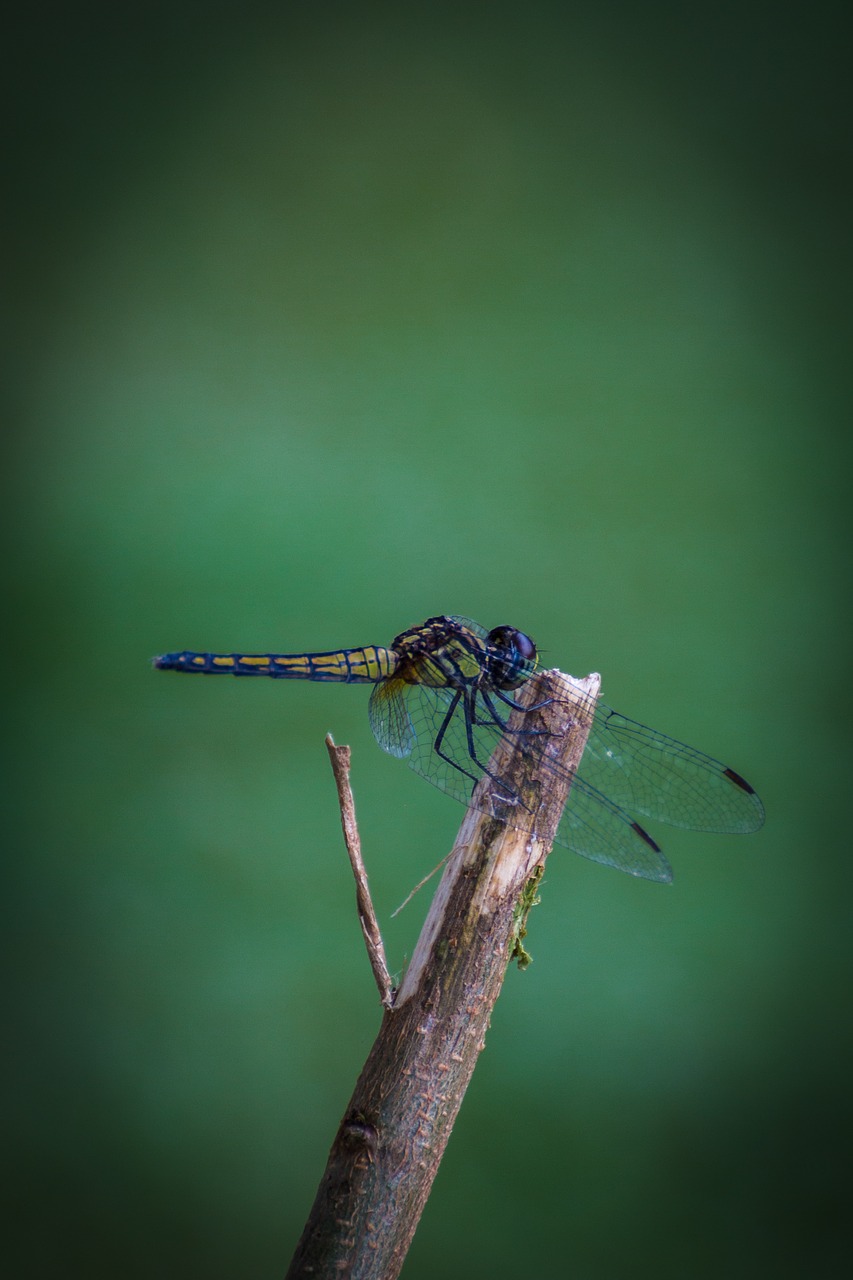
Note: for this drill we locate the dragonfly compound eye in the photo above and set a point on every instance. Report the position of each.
(525, 646)
(514, 656)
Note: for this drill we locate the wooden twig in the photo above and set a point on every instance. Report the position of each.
(341, 758)
(392, 1137)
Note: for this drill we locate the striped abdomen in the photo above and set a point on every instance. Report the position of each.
(347, 666)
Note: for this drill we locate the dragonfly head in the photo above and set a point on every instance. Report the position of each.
(512, 657)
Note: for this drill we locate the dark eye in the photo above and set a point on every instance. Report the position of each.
(511, 638)
(513, 657)
(525, 646)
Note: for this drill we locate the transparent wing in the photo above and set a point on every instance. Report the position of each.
(389, 718)
(412, 715)
(649, 773)
(592, 825)
(595, 827)
(470, 625)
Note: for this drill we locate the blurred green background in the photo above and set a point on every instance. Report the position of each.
(326, 319)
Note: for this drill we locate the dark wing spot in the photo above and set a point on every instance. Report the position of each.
(644, 835)
(739, 781)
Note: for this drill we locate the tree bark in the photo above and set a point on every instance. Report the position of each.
(390, 1142)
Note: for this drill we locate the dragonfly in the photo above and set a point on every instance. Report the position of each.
(442, 695)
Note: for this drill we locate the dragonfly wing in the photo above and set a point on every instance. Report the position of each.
(597, 829)
(470, 625)
(591, 825)
(454, 771)
(438, 717)
(389, 718)
(410, 719)
(659, 777)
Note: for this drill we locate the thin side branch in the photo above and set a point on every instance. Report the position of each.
(393, 1134)
(341, 759)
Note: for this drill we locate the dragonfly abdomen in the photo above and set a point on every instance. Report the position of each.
(344, 666)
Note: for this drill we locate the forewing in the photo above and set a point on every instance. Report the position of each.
(647, 772)
(470, 625)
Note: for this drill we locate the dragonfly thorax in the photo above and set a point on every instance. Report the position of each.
(448, 652)
(441, 653)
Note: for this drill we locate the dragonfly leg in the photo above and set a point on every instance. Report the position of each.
(499, 722)
(517, 706)
(468, 696)
(495, 719)
(439, 737)
(470, 705)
